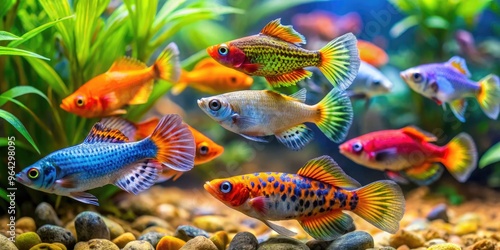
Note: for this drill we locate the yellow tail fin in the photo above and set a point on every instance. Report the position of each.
(167, 66)
(335, 116)
(460, 157)
(382, 204)
(489, 96)
(340, 61)
(175, 147)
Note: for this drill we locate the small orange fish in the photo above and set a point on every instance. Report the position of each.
(128, 81)
(372, 54)
(213, 78)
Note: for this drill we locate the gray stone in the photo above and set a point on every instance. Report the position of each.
(152, 237)
(90, 225)
(45, 214)
(357, 240)
(138, 245)
(145, 221)
(186, 232)
(244, 241)
(438, 212)
(6, 243)
(282, 243)
(199, 242)
(318, 244)
(51, 234)
(95, 244)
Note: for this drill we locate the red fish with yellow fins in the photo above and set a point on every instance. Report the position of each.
(315, 196)
(127, 82)
(408, 153)
(211, 77)
(275, 54)
(206, 149)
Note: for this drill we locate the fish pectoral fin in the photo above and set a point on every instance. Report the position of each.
(329, 226)
(326, 170)
(84, 197)
(300, 95)
(143, 94)
(126, 127)
(279, 229)
(443, 86)
(178, 88)
(260, 204)
(127, 64)
(67, 181)
(295, 138)
(458, 63)
(100, 133)
(139, 176)
(256, 138)
(425, 174)
(289, 78)
(243, 121)
(109, 99)
(283, 32)
(249, 67)
(396, 176)
(388, 154)
(458, 108)
(169, 174)
(418, 134)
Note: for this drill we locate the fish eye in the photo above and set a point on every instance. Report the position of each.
(223, 50)
(79, 101)
(204, 150)
(377, 83)
(357, 147)
(225, 187)
(214, 105)
(33, 173)
(417, 77)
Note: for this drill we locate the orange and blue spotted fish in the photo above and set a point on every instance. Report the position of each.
(315, 196)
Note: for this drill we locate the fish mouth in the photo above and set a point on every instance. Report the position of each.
(201, 103)
(403, 75)
(343, 149)
(207, 186)
(210, 50)
(65, 105)
(21, 178)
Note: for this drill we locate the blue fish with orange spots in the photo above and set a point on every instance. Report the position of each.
(315, 196)
(106, 157)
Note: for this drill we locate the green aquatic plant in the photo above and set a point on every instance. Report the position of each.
(492, 157)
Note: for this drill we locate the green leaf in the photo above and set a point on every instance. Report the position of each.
(57, 9)
(37, 119)
(21, 90)
(468, 8)
(49, 75)
(19, 52)
(4, 35)
(491, 156)
(165, 11)
(28, 35)
(5, 142)
(437, 22)
(5, 6)
(403, 25)
(406, 6)
(3, 193)
(10, 118)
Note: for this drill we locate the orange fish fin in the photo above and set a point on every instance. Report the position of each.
(381, 203)
(295, 138)
(143, 94)
(108, 99)
(139, 176)
(459, 64)
(167, 65)
(283, 32)
(289, 78)
(208, 62)
(326, 170)
(174, 142)
(418, 134)
(279, 229)
(425, 174)
(125, 126)
(169, 174)
(300, 95)
(178, 88)
(329, 226)
(116, 112)
(127, 63)
(146, 128)
(99, 133)
(460, 156)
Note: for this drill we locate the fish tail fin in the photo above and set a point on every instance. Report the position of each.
(340, 60)
(146, 128)
(382, 204)
(489, 95)
(335, 115)
(181, 85)
(174, 142)
(167, 66)
(460, 156)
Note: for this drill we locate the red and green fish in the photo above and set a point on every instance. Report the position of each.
(315, 196)
(275, 54)
(408, 153)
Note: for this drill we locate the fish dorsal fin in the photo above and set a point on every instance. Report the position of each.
(99, 134)
(300, 95)
(326, 170)
(126, 127)
(206, 63)
(283, 32)
(459, 64)
(418, 134)
(127, 63)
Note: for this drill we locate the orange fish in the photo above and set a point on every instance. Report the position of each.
(213, 78)
(128, 81)
(372, 54)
